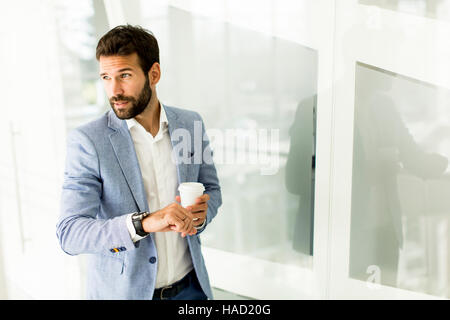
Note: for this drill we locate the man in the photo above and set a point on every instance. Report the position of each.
(119, 200)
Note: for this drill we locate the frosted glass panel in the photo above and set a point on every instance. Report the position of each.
(80, 25)
(400, 185)
(241, 82)
(435, 9)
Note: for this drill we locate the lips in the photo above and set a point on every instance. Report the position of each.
(120, 104)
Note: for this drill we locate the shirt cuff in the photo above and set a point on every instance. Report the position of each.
(134, 237)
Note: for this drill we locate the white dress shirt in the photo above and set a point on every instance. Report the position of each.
(159, 174)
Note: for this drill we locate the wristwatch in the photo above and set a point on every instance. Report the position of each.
(137, 218)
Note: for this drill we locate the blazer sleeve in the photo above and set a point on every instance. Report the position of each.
(78, 229)
(208, 176)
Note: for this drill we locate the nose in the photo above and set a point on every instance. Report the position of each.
(116, 88)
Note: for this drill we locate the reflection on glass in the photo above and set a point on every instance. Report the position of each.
(240, 79)
(80, 26)
(49, 51)
(300, 169)
(399, 220)
(435, 9)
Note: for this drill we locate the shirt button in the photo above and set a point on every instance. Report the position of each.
(152, 260)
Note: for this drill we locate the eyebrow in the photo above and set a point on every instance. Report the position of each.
(121, 70)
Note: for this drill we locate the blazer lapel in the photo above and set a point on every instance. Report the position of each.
(174, 123)
(126, 155)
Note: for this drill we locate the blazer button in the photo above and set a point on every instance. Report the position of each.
(152, 260)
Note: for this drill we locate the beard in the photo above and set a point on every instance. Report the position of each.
(137, 106)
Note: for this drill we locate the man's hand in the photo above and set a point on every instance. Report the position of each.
(171, 218)
(199, 209)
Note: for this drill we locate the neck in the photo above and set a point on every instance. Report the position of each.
(149, 118)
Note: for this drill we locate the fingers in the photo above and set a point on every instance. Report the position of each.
(182, 219)
(196, 208)
(199, 211)
(183, 222)
(190, 229)
(185, 227)
(202, 199)
(181, 212)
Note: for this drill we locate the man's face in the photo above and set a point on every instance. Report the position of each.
(126, 85)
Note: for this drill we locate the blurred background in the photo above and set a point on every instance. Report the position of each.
(358, 206)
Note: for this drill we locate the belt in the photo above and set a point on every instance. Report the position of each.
(175, 288)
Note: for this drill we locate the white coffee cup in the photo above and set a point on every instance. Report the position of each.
(189, 192)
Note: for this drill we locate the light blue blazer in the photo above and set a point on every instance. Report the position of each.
(102, 184)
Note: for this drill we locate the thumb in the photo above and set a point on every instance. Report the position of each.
(177, 199)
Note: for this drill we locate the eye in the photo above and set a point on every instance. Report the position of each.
(125, 75)
(105, 78)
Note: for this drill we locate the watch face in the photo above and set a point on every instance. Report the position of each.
(136, 216)
(139, 215)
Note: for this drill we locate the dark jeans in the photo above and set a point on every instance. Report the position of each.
(192, 292)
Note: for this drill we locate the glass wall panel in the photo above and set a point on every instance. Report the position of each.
(435, 9)
(48, 53)
(257, 95)
(80, 25)
(400, 185)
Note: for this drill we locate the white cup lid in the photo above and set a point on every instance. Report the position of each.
(191, 186)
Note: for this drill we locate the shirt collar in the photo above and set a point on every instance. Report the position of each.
(162, 119)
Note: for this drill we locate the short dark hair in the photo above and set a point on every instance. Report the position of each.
(126, 39)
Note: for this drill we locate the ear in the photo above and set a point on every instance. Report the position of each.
(154, 74)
